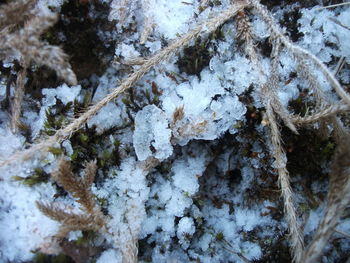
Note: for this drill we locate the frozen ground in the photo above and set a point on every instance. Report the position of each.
(209, 192)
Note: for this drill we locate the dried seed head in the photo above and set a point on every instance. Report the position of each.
(178, 114)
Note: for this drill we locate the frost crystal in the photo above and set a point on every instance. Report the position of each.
(152, 135)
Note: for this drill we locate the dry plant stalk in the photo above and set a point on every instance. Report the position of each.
(26, 40)
(148, 22)
(296, 238)
(273, 104)
(66, 132)
(325, 113)
(80, 188)
(17, 102)
(244, 34)
(338, 199)
(21, 26)
(270, 98)
(278, 33)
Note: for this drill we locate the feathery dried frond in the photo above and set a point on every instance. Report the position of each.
(27, 42)
(272, 86)
(273, 105)
(92, 218)
(244, 29)
(130, 251)
(244, 34)
(80, 188)
(90, 173)
(53, 211)
(16, 12)
(148, 22)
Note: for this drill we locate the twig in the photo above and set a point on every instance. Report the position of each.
(332, 6)
(322, 114)
(342, 233)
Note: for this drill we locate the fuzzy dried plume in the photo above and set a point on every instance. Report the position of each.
(16, 12)
(296, 238)
(244, 34)
(64, 133)
(25, 41)
(80, 188)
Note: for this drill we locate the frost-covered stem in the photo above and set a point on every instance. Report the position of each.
(322, 114)
(294, 49)
(272, 87)
(314, 84)
(148, 22)
(17, 103)
(66, 132)
(338, 200)
(244, 33)
(296, 238)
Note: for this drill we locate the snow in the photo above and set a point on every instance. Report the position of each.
(64, 93)
(171, 17)
(152, 135)
(17, 203)
(185, 228)
(110, 255)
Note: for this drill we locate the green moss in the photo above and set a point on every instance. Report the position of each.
(56, 117)
(56, 151)
(219, 236)
(195, 58)
(87, 236)
(43, 258)
(39, 176)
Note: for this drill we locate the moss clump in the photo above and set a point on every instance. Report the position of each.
(39, 176)
(43, 258)
(56, 117)
(195, 58)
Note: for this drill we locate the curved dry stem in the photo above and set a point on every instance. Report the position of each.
(338, 200)
(296, 238)
(66, 132)
(294, 49)
(322, 114)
